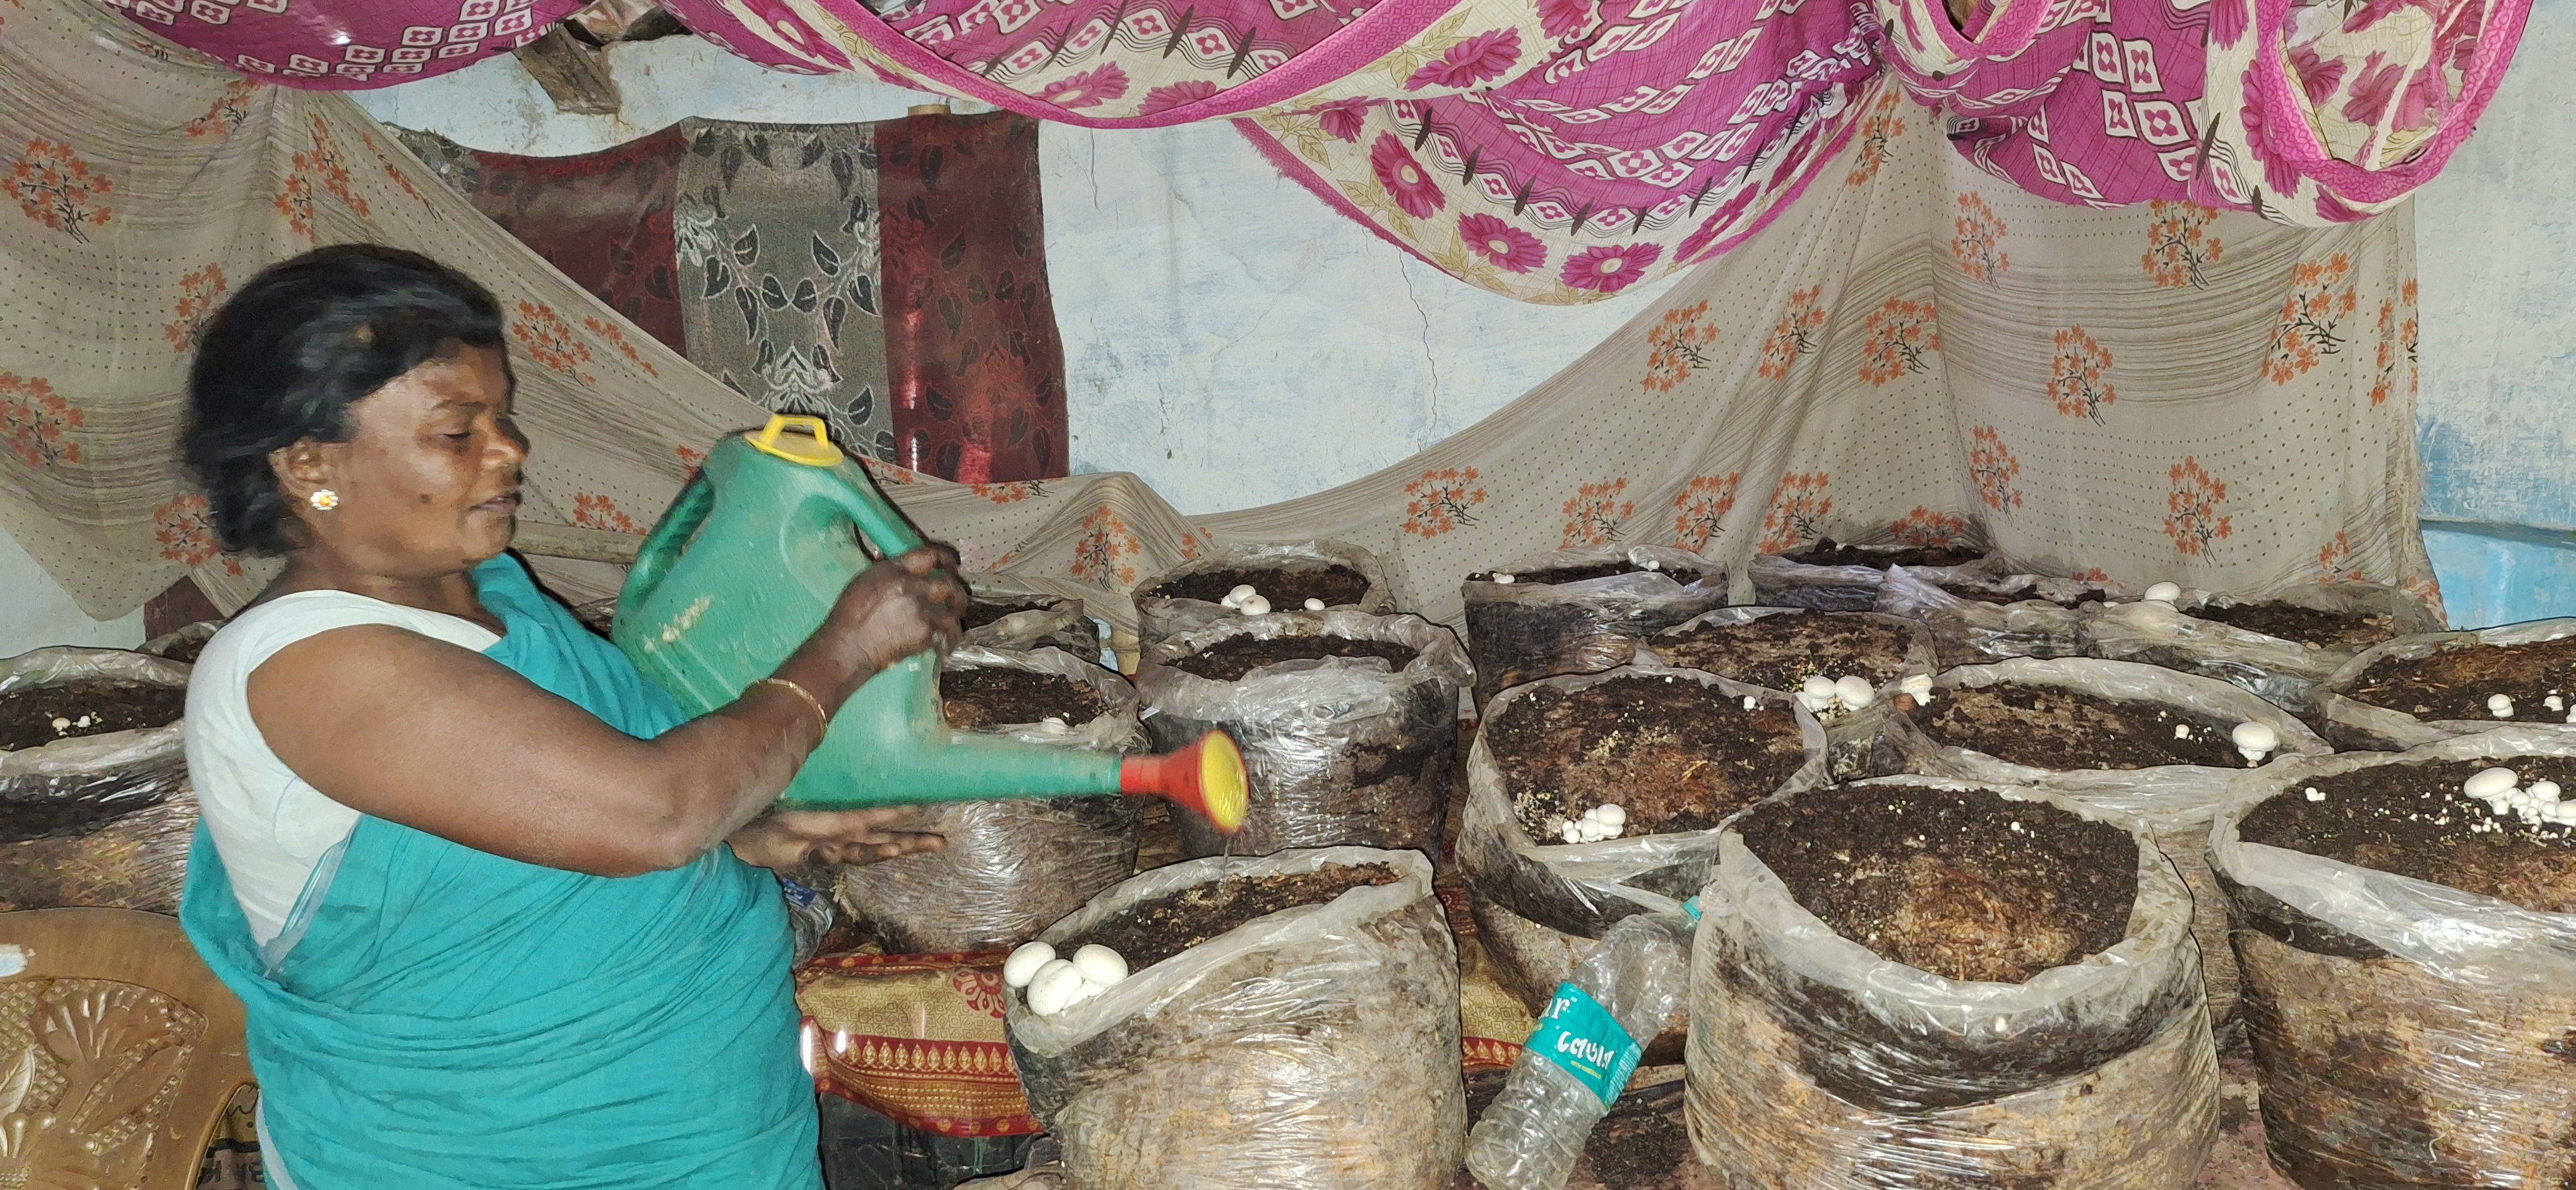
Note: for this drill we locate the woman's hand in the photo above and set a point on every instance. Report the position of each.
(903, 606)
(791, 840)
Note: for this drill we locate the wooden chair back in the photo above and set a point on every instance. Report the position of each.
(119, 1051)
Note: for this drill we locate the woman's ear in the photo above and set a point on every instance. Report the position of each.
(301, 469)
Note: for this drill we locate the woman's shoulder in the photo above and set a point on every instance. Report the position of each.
(264, 629)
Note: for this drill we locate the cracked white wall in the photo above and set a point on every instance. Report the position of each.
(1227, 336)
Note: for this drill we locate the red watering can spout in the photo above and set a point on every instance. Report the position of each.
(1207, 777)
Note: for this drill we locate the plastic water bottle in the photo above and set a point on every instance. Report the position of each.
(1579, 1058)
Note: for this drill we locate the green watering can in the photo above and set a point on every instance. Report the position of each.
(744, 566)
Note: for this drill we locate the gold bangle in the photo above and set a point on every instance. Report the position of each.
(822, 720)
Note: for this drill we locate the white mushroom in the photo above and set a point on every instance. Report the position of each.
(2555, 703)
(62, 724)
(1100, 965)
(2544, 791)
(2489, 784)
(1504, 579)
(1055, 988)
(1613, 815)
(2315, 794)
(2255, 740)
(1917, 687)
(1253, 605)
(1751, 703)
(1314, 605)
(1241, 592)
(1024, 962)
(1855, 691)
(2182, 731)
(2500, 706)
(2164, 592)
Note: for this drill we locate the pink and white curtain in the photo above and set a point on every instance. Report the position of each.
(1563, 150)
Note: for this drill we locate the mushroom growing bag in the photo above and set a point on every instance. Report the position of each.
(1159, 618)
(2174, 803)
(1779, 582)
(2355, 724)
(102, 820)
(1971, 631)
(1340, 750)
(1522, 631)
(1848, 733)
(1555, 898)
(2409, 1034)
(2283, 672)
(1051, 620)
(1010, 867)
(1312, 1049)
(1818, 1065)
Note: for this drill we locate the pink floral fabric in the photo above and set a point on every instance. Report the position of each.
(350, 44)
(2300, 112)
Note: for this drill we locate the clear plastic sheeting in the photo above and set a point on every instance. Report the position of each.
(2173, 802)
(184, 641)
(2283, 672)
(2408, 1034)
(1779, 582)
(1970, 631)
(1532, 1134)
(1816, 1064)
(1315, 1047)
(1340, 750)
(1848, 733)
(102, 820)
(1051, 619)
(2354, 724)
(1581, 889)
(76, 785)
(1010, 867)
(1159, 619)
(1522, 631)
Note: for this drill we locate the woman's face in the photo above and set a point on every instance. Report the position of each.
(428, 483)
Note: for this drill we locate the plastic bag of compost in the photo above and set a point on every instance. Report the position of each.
(1520, 631)
(1783, 580)
(1556, 897)
(1970, 631)
(100, 820)
(1160, 617)
(2352, 723)
(1012, 866)
(2281, 671)
(2174, 802)
(182, 644)
(1316, 1047)
(1816, 1064)
(74, 785)
(1340, 750)
(2408, 1034)
(1577, 1062)
(1043, 617)
(1849, 731)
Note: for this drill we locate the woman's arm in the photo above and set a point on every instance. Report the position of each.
(447, 741)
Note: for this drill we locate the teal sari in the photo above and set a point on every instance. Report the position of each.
(434, 1016)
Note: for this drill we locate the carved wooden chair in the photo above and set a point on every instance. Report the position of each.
(119, 1051)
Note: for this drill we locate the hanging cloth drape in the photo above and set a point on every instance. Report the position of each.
(1913, 350)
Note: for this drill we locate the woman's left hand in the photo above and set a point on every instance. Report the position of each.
(790, 840)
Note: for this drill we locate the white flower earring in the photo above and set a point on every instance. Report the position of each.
(323, 499)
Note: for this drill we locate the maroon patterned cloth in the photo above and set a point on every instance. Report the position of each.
(972, 358)
(603, 219)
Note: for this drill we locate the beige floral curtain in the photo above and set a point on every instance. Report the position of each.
(1915, 350)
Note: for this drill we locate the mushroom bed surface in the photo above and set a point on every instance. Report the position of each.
(1149, 932)
(1964, 884)
(2419, 821)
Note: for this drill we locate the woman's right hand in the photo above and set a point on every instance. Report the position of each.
(907, 604)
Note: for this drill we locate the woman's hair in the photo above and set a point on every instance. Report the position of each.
(288, 355)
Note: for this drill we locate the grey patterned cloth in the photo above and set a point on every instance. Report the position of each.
(776, 229)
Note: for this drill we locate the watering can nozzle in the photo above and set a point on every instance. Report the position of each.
(1207, 777)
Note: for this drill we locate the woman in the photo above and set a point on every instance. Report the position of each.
(498, 915)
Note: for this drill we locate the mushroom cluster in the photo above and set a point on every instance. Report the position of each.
(1055, 984)
(1598, 824)
(2503, 792)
